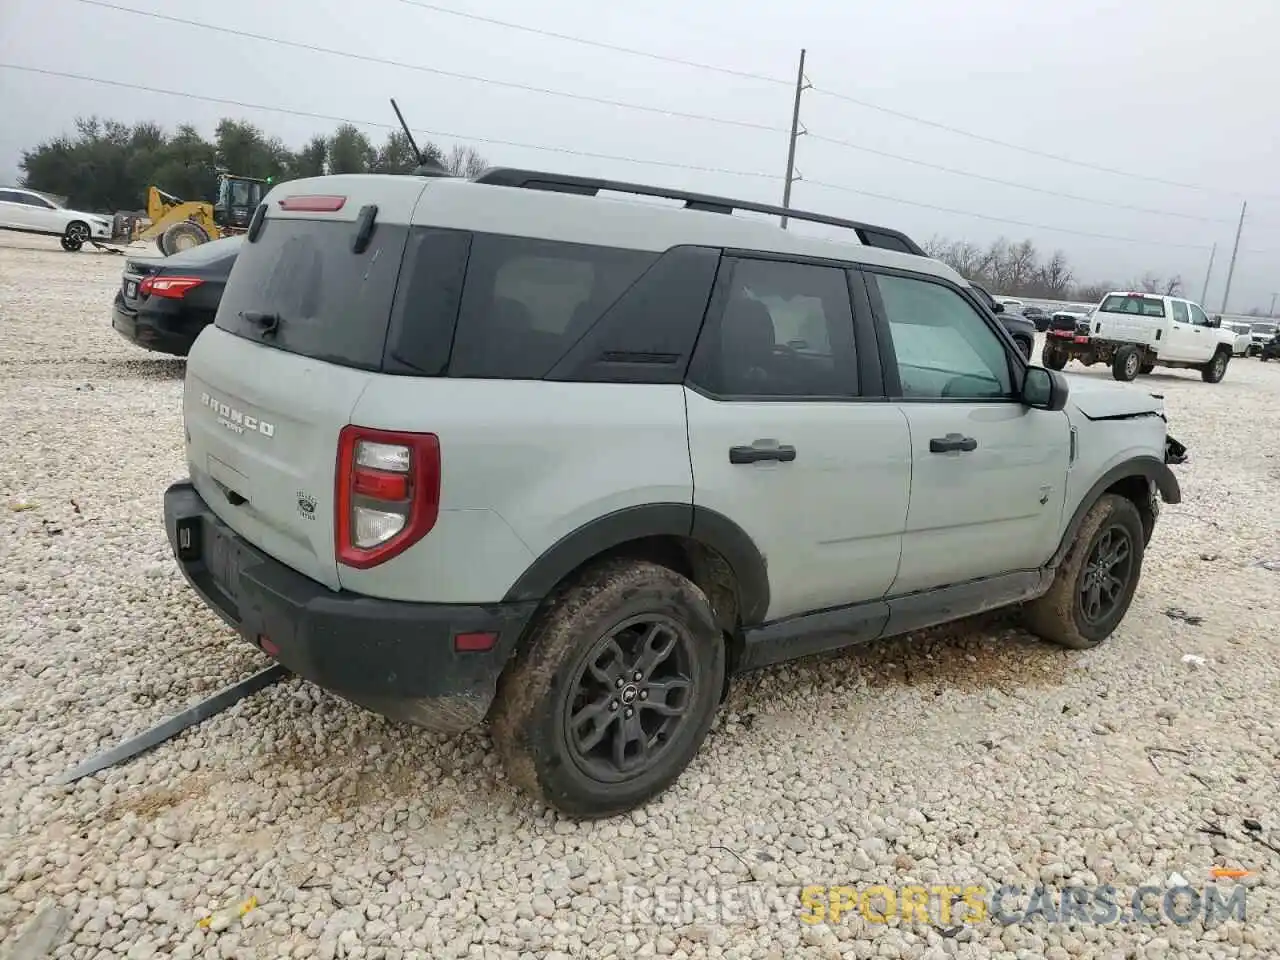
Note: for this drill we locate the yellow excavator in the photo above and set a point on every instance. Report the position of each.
(178, 224)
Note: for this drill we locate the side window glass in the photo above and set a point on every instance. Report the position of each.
(1180, 314)
(1198, 317)
(785, 330)
(31, 200)
(526, 302)
(7, 196)
(944, 348)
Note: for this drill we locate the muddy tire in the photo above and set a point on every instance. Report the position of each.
(1053, 356)
(182, 236)
(613, 690)
(1095, 583)
(1127, 363)
(1216, 369)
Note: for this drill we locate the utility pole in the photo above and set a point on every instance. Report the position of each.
(1272, 311)
(1204, 294)
(795, 133)
(1234, 250)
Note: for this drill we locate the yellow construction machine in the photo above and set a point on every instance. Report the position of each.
(177, 224)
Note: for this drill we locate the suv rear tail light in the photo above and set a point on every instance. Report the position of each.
(388, 493)
(173, 288)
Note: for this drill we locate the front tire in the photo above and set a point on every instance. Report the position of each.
(76, 236)
(182, 236)
(1024, 345)
(1053, 356)
(613, 691)
(1215, 369)
(1127, 363)
(1094, 586)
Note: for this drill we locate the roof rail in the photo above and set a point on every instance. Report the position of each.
(868, 234)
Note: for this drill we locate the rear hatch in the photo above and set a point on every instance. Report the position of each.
(272, 383)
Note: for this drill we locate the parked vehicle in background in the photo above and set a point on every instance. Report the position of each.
(1022, 330)
(1271, 349)
(1011, 303)
(1037, 315)
(1067, 339)
(1243, 333)
(164, 302)
(509, 449)
(28, 211)
(1135, 332)
(1262, 333)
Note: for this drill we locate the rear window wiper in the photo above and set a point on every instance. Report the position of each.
(267, 323)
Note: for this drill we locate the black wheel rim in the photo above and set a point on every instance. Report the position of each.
(632, 693)
(1105, 578)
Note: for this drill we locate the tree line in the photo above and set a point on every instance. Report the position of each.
(107, 166)
(1017, 269)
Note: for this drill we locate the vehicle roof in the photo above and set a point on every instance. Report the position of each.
(572, 218)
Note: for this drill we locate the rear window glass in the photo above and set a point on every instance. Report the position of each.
(324, 301)
(1142, 306)
(526, 302)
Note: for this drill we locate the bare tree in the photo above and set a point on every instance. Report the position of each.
(1173, 286)
(465, 161)
(1093, 292)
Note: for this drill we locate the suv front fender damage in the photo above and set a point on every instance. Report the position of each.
(1160, 484)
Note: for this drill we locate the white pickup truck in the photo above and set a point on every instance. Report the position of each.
(1135, 332)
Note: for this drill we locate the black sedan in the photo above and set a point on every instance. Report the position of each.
(164, 302)
(1037, 316)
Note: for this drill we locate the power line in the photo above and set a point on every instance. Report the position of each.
(1032, 151)
(1011, 183)
(224, 101)
(366, 58)
(599, 44)
(985, 216)
(306, 114)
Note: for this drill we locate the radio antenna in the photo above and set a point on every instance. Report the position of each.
(426, 167)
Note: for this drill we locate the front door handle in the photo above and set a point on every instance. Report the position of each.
(755, 454)
(952, 442)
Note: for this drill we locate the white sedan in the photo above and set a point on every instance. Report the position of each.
(27, 211)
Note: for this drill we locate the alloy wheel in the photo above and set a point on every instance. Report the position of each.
(630, 696)
(1106, 574)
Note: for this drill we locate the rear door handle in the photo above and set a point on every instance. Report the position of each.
(755, 454)
(952, 442)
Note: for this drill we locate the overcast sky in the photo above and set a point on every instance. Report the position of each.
(1174, 90)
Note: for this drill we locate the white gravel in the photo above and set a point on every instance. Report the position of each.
(972, 755)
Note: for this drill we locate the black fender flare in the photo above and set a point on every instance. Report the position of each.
(605, 533)
(1148, 468)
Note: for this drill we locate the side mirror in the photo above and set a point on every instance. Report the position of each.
(1044, 389)
(1215, 322)
(997, 307)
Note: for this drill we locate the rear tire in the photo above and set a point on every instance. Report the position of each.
(1146, 368)
(1053, 356)
(1094, 586)
(1216, 369)
(570, 705)
(182, 236)
(1127, 363)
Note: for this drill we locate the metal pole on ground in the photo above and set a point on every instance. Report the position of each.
(791, 148)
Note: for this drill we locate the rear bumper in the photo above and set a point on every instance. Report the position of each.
(148, 331)
(397, 659)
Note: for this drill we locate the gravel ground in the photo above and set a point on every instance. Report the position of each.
(971, 755)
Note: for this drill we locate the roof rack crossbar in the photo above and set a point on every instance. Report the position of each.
(868, 234)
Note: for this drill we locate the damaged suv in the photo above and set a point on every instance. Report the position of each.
(521, 449)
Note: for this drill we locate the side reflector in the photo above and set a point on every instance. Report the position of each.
(474, 642)
(321, 204)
